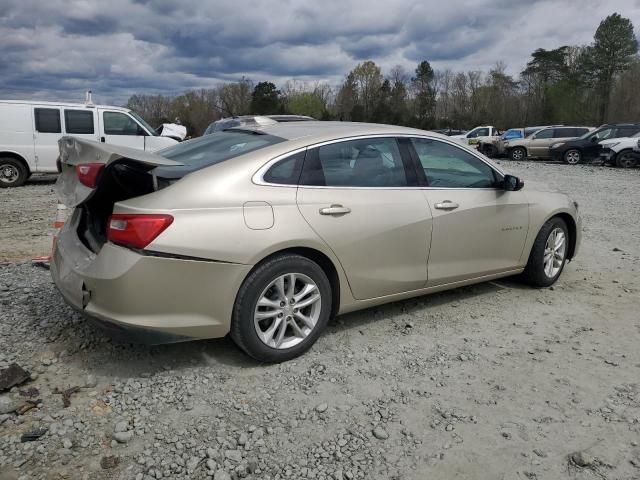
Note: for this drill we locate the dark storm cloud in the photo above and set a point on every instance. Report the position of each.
(59, 48)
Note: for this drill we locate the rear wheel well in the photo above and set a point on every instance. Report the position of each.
(573, 234)
(18, 158)
(324, 262)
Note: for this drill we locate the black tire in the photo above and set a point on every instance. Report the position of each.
(626, 159)
(13, 173)
(573, 156)
(534, 273)
(243, 331)
(518, 153)
(490, 151)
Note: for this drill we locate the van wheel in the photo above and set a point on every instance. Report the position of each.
(12, 172)
(281, 308)
(518, 153)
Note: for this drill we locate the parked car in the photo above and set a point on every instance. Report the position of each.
(494, 146)
(172, 130)
(253, 120)
(587, 147)
(620, 151)
(472, 137)
(29, 134)
(268, 231)
(537, 145)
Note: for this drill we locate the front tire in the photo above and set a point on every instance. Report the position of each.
(573, 156)
(626, 159)
(548, 254)
(12, 172)
(281, 308)
(517, 154)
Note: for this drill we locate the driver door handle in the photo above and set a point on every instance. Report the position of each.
(446, 205)
(335, 209)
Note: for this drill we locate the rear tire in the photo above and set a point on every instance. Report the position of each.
(573, 156)
(13, 173)
(548, 254)
(255, 328)
(626, 159)
(518, 153)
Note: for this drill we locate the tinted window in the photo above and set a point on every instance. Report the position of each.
(116, 123)
(286, 171)
(78, 121)
(627, 131)
(548, 133)
(218, 147)
(47, 120)
(481, 132)
(449, 166)
(578, 132)
(603, 134)
(566, 133)
(370, 162)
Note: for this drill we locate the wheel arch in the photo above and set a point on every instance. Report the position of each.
(573, 233)
(320, 258)
(18, 157)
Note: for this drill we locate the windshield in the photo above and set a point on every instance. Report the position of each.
(512, 133)
(152, 131)
(218, 147)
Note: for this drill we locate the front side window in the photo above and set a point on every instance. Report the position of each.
(369, 162)
(285, 171)
(116, 123)
(47, 120)
(78, 121)
(548, 133)
(448, 166)
(479, 132)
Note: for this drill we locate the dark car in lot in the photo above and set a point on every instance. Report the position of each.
(587, 147)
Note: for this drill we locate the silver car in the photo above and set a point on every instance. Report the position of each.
(267, 232)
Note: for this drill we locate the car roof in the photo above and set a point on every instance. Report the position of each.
(320, 131)
(63, 104)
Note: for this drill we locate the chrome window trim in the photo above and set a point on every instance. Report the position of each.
(258, 177)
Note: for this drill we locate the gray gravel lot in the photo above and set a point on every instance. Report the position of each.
(495, 381)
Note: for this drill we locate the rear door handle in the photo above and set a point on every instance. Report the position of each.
(446, 205)
(335, 209)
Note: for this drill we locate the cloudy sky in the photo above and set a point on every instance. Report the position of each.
(56, 49)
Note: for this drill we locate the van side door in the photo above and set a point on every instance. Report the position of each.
(119, 128)
(46, 133)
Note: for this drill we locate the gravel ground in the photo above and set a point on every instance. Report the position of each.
(495, 381)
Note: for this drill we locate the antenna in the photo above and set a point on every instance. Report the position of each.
(87, 98)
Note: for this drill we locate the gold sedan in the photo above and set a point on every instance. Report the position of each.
(267, 232)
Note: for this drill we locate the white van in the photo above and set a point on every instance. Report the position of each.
(29, 134)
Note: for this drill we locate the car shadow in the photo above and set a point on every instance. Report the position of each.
(43, 179)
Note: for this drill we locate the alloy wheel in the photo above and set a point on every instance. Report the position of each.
(627, 160)
(554, 252)
(572, 157)
(287, 311)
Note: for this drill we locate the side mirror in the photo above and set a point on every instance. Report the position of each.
(511, 183)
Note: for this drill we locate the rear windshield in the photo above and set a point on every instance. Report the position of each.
(218, 147)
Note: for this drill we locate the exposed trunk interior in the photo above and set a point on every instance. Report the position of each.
(119, 181)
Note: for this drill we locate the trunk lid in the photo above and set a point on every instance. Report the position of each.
(75, 151)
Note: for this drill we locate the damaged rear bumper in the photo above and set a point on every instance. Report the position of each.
(142, 298)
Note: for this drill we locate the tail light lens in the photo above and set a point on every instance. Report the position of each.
(136, 231)
(88, 173)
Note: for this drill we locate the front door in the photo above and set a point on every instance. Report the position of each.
(478, 229)
(119, 128)
(361, 198)
(47, 132)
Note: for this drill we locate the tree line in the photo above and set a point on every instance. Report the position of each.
(581, 85)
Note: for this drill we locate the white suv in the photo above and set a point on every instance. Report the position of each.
(620, 151)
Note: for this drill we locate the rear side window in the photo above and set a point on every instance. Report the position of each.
(446, 166)
(548, 133)
(627, 131)
(568, 132)
(369, 162)
(47, 120)
(286, 171)
(78, 121)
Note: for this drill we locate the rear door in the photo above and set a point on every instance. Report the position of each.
(540, 143)
(361, 197)
(81, 123)
(119, 128)
(47, 132)
(478, 228)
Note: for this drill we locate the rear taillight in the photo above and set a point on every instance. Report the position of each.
(88, 173)
(136, 231)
